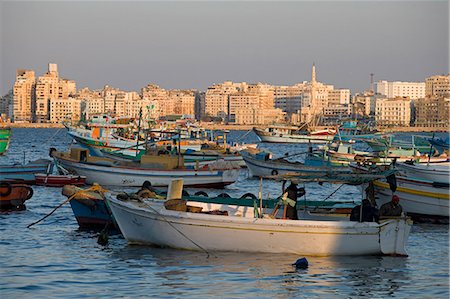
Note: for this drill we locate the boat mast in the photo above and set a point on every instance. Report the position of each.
(139, 130)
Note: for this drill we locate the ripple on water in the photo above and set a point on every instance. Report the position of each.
(55, 259)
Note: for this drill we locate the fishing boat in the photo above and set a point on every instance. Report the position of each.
(261, 164)
(387, 144)
(58, 178)
(5, 135)
(13, 194)
(91, 211)
(349, 131)
(176, 224)
(24, 172)
(293, 134)
(89, 207)
(158, 169)
(422, 200)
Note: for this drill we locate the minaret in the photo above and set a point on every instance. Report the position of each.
(313, 75)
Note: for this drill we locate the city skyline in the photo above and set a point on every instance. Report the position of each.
(184, 45)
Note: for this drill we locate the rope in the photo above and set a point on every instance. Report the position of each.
(52, 136)
(94, 188)
(180, 232)
(331, 194)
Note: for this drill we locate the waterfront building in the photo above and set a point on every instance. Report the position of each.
(217, 98)
(432, 112)
(290, 99)
(6, 106)
(65, 109)
(437, 86)
(394, 112)
(24, 94)
(413, 90)
(169, 102)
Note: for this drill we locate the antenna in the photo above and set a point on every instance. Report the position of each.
(371, 83)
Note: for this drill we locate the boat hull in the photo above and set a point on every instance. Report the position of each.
(416, 197)
(134, 177)
(13, 195)
(150, 223)
(267, 168)
(51, 180)
(25, 173)
(439, 173)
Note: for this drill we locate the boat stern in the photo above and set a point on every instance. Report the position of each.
(394, 235)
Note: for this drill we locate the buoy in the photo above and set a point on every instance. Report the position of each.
(301, 263)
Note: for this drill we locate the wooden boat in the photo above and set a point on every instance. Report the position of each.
(169, 224)
(261, 164)
(293, 134)
(91, 211)
(89, 207)
(24, 172)
(13, 194)
(349, 131)
(422, 200)
(156, 169)
(5, 135)
(58, 178)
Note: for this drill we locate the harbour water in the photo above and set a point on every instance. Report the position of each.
(55, 259)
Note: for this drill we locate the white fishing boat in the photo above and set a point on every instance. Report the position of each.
(261, 164)
(148, 221)
(433, 172)
(417, 197)
(159, 170)
(293, 134)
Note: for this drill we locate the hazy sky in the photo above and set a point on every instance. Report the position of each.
(195, 44)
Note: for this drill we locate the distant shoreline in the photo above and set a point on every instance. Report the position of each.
(227, 127)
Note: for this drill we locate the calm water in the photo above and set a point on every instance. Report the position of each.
(55, 259)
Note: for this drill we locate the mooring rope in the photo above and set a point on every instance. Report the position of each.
(95, 188)
(180, 232)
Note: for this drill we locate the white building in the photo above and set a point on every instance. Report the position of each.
(396, 111)
(413, 90)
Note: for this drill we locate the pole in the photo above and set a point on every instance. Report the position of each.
(139, 130)
(260, 197)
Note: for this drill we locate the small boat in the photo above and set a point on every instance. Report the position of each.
(158, 169)
(261, 164)
(91, 211)
(174, 223)
(24, 172)
(89, 207)
(422, 200)
(349, 131)
(293, 134)
(5, 135)
(13, 194)
(57, 176)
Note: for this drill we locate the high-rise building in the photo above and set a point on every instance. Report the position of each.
(413, 90)
(50, 87)
(24, 92)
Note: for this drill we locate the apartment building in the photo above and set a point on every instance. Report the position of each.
(396, 111)
(432, 112)
(437, 86)
(24, 95)
(413, 90)
(65, 109)
(169, 102)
